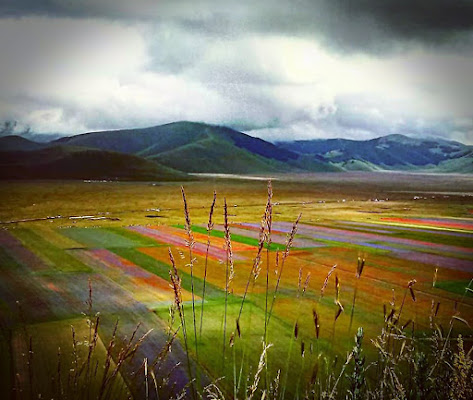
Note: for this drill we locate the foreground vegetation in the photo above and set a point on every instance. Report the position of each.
(272, 327)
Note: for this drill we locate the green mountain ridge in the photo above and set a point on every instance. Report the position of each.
(194, 147)
(170, 151)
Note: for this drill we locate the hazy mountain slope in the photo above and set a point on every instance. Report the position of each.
(461, 165)
(311, 163)
(158, 139)
(18, 143)
(390, 152)
(198, 147)
(192, 147)
(358, 165)
(61, 162)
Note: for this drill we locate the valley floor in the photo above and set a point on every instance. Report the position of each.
(57, 237)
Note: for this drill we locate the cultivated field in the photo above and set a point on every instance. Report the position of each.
(57, 237)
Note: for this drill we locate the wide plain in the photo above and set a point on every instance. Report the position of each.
(59, 235)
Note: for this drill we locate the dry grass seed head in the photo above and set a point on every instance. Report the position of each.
(190, 241)
(306, 283)
(261, 364)
(360, 266)
(228, 245)
(210, 224)
(324, 286)
(316, 323)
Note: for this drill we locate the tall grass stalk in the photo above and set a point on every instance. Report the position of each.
(359, 271)
(190, 244)
(256, 268)
(269, 221)
(210, 226)
(177, 289)
(340, 308)
(254, 385)
(232, 346)
(324, 286)
(228, 273)
(302, 369)
(289, 243)
(335, 385)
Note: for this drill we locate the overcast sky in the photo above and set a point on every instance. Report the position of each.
(292, 69)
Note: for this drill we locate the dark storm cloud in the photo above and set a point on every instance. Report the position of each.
(425, 19)
(363, 25)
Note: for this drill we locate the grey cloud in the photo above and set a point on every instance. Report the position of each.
(364, 25)
(351, 121)
(203, 43)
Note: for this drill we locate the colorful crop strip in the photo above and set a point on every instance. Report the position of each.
(371, 228)
(244, 240)
(365, 238)
(114, 261)
(257, 226)
(439, 261)
(425, 258)
(176, 237)
(129, 269)
(22, 255)
(372, 241)
(217, 241)
(434, 222)
(404, 228)
(275, 237)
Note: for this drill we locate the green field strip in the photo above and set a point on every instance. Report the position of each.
(104, 237)
(249, 346)
(60, 259)
(55, 237)
(161, 269)
(137, 238)
(458, 287)
(235, 238)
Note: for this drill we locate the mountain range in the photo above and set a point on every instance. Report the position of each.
(168, 152)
